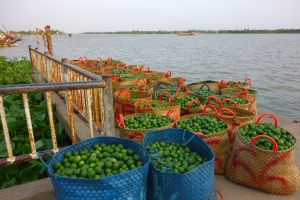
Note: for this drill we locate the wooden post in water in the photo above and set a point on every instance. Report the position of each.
(37, 36)
(44, 39)
(49, 39)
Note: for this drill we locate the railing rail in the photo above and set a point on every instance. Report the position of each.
(83, 91)
(53, 70)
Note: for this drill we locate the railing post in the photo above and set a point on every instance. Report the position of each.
(64, 75)
(48, 68)
(108, 107)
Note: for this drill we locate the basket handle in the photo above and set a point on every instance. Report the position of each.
(219, 113)
(40, 156)
(164, 94)
(199, 133)
(175, 115)
(222, 83)
(215, 98)
(125, 92)
(145, 101)
(246, 94)
(232, 82)
(121, 120)
(147, 69)
(248, 80)
(240, 87)
(168, 74)
(212, 107)
(268, 113)
(181, 81)
(140, 79)
(205, 85)
(188, 105)
(147, 87)
(275, 145)
(182, 86)
(230, 100)
(108, 70)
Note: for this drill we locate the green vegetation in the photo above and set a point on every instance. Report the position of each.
(19, 72)
(283, 138)
(175, 157)
(15, 71)
(147, 121)
(100, 161)
(203, 124)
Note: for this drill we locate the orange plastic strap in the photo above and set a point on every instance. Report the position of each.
(230, 100)
(121, 120)
(181, 81)
(140, 79)
(246, 94)
(125, 92)
(212, 107)
(147, 87)
(248, 80)
(168, 74)
(164, 94)
(188, 105)
(275, 146)
(230, 84)
(215, 98)
(222, 83)
(233, 114)
(199, 133)
(175, 115)
(268, 113)
(182, 86)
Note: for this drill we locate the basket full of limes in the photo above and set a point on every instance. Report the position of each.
(181, 161)
(136, 125)
(263, 158)
(100, 168)
(214, 131)
(124, 101)
(213, 85)
(156, 107)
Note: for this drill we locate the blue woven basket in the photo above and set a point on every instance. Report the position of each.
(197, 184)
(131, 185)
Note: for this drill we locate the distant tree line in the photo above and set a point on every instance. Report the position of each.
(254, 31)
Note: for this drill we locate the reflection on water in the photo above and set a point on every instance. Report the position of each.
(273, 61)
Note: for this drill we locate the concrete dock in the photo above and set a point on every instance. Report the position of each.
(42, 189)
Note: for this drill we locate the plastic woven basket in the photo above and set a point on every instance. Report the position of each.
(128, 185)
(197, 184)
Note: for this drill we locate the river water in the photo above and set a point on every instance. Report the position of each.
(271, 60)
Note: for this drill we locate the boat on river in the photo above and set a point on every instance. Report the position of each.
(186, 33)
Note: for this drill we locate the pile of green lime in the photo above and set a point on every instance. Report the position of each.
(175, 157)
(121, 71)
(235, 84)
(159, 93)
(147, 121)
(137, 88)
(97, 162)
(183, 101)
(154, 105)
(202, 93)
(239, 101)
(203, 124)
(240, 90)
(130, 77)
(284, 139)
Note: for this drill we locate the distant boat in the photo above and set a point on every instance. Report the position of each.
(70, 34)
(186, 33)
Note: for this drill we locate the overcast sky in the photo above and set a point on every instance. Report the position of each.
(114, 15)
